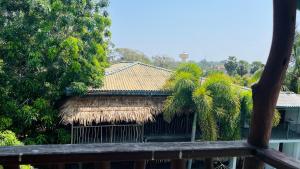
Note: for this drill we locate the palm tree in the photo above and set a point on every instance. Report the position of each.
(214, 104)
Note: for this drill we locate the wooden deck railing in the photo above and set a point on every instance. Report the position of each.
(103, 154)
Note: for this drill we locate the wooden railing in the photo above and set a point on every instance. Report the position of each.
(103, 154)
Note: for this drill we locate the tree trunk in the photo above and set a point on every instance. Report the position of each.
(193, 136)
(266, 91)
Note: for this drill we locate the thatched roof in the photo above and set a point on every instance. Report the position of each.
(99, 109)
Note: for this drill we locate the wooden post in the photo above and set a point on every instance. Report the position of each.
(140, 164)
(178, 164)
(102, 165)
(266, 91)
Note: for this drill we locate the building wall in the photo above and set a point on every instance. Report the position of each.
(293, 114)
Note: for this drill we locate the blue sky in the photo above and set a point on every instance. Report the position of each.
(211, 29)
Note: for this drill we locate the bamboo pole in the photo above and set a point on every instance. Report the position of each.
(266, 91)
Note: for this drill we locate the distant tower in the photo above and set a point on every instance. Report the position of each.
(184, 56)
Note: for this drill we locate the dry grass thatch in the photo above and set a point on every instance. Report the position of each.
(98, 109)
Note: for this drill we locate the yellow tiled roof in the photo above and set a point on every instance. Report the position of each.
(134, 76)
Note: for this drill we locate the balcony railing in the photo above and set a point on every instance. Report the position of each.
(103, 154)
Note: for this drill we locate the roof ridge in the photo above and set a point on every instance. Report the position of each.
(157, 67)
(131, 64)
(121, 69)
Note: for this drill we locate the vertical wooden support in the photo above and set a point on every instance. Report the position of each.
(102, 165)
(266, 91)
(140, 164)
(178, 164)
(11, 167)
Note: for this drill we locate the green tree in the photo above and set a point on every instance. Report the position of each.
(212, 103)
(46, 47)
(242, 67)
(293, 75)
(256, 65)
(131, 55)
(164, 61)
(246, 103)
(231, 65)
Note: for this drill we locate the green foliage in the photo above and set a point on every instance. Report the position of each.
(256, 76)
(210, 66)
(126, 54)
(64, 136)
(215, 102)
(276, 118)
(247, 108)
(46, 47)
(8, 138)
(226, 106)
(293, 75)
(164, 61)
(242, 80)
(255, 66)
(182, 84)
(231, 65)
(206, 119)
(242, 68)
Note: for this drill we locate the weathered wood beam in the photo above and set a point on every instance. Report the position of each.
(277, 159)
(266, 91)
(68, 153)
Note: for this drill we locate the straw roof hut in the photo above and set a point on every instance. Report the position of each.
(131, 92)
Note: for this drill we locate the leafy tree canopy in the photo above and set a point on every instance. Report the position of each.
(256, 65)
(231, 65)
(247, 108)
(126, 54)
(215, 102)
(8, 138)
(242, 67)
(46, 47)
(164, 61)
